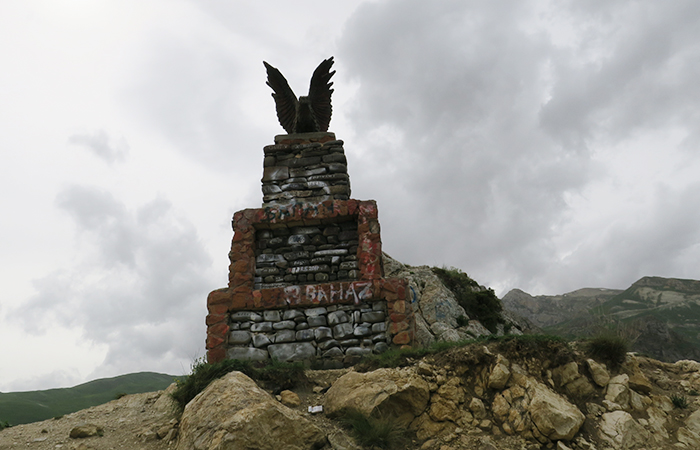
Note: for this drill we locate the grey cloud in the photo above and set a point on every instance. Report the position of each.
(102, 146)
(459, 87)
(141, 290)
(645, 80)
(643, 242)
(474, 127)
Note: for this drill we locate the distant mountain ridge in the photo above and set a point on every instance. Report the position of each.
(660, 315)
(548, 310)
(32, 406)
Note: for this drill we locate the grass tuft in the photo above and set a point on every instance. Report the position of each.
(609, 348)
(274, 375)
(4, 424)
(371, 432)
(679, 401)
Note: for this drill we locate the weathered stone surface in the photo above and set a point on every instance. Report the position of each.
(619, 429)
(292, 314)
(284, 325)
(295, 351)
(261, 340)
(530, 406)
(342, 331)
(317, 321)
(553, 416)
(245, 316)
(564, 374)
(426, 428)
(358, 351)
(233, 412)
(500, 373)
(618, 391)
(599, 373)
(290, 399)
(271, 316)
(337, 317)
(323, 334)
(85, 431)
(247, 353)
(285, 336)
(239, 338)
(639, 383)
(399, 393)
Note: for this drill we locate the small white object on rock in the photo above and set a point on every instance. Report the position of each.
(316, 409)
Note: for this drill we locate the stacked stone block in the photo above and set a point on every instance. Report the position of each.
(303, 255)
(326, 332)
(314, 171)
(362, 302)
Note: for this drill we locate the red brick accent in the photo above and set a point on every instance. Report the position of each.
(370, 287)
(215, 355)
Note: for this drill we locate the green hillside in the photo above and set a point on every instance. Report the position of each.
(660, 316)
(31, 406)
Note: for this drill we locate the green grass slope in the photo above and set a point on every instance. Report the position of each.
(24, 407)
(660, 317)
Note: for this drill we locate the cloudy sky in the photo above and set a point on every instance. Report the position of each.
(540, 145)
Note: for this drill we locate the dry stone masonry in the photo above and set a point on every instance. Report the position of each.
(310, 171)
(306, 279)
(306, 255)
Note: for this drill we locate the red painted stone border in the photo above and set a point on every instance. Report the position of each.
(240, 294)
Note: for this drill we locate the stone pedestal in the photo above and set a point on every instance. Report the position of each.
(306, 277)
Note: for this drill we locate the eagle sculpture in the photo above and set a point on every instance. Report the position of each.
(307, 114)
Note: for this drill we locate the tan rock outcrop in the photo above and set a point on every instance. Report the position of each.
(533, 407)
(599, 373)
(621, 431)
(233, 412)
(398, 393)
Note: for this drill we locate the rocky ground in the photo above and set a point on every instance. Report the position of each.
(505, 395)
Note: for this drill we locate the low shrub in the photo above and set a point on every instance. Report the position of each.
(4, 424)
(679, 401)
(371, 432)
(274, 375)
(462, 321)
(609, 348)
(482, 305)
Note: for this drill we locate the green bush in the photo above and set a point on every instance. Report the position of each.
(608, 348)
(371, 432)
(274, 375)
(679, 401)
(4, 424)
(482, 305)
(462, 321)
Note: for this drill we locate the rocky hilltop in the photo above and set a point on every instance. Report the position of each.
(659, 316)
(519, 393)
(548, 310)
(495, 389)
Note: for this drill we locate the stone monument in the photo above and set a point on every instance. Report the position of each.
(306, 274)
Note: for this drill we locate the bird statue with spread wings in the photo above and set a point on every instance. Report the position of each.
(307, 114)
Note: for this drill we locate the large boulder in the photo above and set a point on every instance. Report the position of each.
(234, 413)
(436, 307)
(621, 431)
(398, 393)
(531, 407)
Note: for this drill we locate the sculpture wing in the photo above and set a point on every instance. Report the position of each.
(285, 100)
(320, 93)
